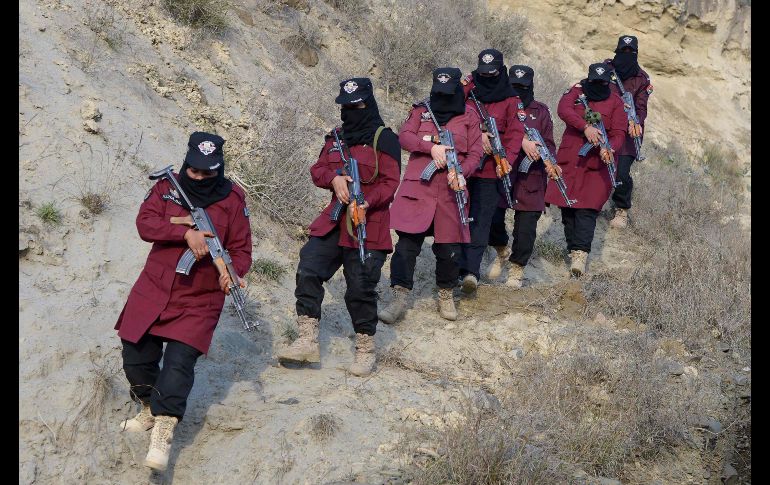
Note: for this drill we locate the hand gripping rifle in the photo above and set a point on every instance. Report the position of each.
(630, 108)
(595, 119)
(199, 220)
(547, 158)
(356, 198)
(503, 168)
(452, 166)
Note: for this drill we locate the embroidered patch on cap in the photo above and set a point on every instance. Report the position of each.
(599, 70)
(519, 73)
(487, 58)
(206, 147)
(627, 40)
(350, 86)
(443, 78)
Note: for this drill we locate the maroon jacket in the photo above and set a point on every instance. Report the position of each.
(586, 177)
(171, 305)
(640, 88)
(418, 204)
(511, 134)
(378, 193)
(529, 188)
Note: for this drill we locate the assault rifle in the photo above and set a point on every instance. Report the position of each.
(630, 109)
(452, 166)
(503, 168)
(199, 220)
(547, 158)
(356, 198)
(595, 119)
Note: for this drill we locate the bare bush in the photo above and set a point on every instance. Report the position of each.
(594, 409)
(506, 34)
(208, 16)
(724, 167)
(324, 426)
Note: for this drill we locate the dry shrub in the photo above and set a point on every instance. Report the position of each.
(723, 166)
(324, 426)
(205, 15)
(97, 388)
(593, 409)
(286, 142)
(505, 34)
(408, 47)
(696, 281)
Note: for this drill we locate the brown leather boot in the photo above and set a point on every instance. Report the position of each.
(500, 262)
(160, 442)
(446, 304)
(397, 306)
(363, 363)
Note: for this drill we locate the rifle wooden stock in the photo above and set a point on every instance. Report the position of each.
(185, 221)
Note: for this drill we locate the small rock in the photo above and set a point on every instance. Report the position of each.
(729, 475)
(517, 353)
(691, 371)
(451, 326)
(90, 126)
(291, 400)
(89, 111)
(671, 367)
(600, 319)
(740, 380)
(263, 92)
(608, 481)
(723, 347)
(713, 425)
(41, 29)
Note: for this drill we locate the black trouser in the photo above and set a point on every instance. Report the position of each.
(622, 195)
(483, 202)
(579, 226)
(319, 259)
(498, 235)
(166, 389)
(405, 257)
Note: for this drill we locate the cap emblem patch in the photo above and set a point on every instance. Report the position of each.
(350, 86)
(487, 58)
(207, 147)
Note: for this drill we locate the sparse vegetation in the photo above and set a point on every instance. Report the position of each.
(206, 15)
(49, 213)
(724, 168)
(268, 268)
(549, 250)
(323, 426)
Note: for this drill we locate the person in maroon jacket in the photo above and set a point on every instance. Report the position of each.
(490, 84)
(528, 188)
(586, 177)
(637, 82)
(180, 310)
(332, 244)
(429, 208)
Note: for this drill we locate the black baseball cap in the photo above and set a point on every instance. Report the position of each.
(599, 72)
(627, 41)
(520, 74)
(490, 60)
(354, 90)
(204, 151)
(446, 80)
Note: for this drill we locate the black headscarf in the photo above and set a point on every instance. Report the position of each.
(203, 193)
(626, 64)
(359, 124)
(447, 106)
(526, 93)
(595, 91)
(492, 89)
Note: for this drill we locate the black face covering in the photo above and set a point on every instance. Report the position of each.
(447, 106)
(595, 91)
(359, 125)
(492, 89)
(626, 64)
(203, 193)
(526, 93)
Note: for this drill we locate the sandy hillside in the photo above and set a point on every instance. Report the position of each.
(108, 92)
